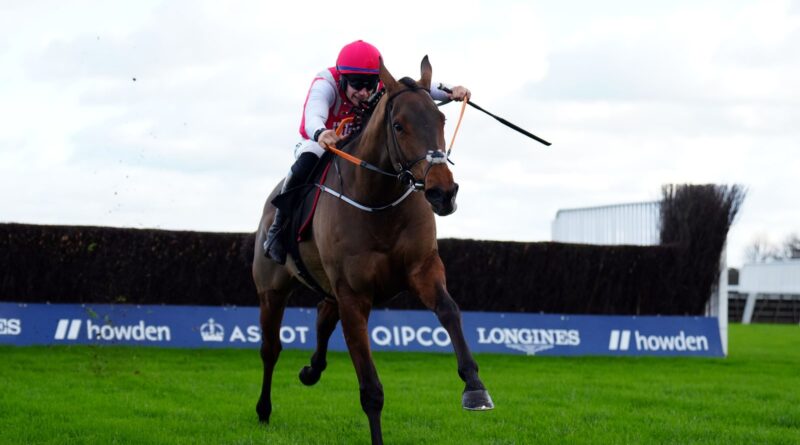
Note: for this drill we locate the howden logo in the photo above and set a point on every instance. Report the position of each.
(620, 340)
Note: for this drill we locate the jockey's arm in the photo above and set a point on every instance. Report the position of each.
(321, 97)
(458, 92)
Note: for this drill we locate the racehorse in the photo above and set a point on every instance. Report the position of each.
(362, 258)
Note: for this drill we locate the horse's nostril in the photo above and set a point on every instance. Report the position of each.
(434, 194)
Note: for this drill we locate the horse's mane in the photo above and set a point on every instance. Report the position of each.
(409, 82)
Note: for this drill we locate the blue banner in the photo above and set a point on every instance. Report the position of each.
(389, 330)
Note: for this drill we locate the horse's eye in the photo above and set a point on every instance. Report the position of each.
(398, 127)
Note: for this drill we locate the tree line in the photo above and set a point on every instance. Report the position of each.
(761, 250)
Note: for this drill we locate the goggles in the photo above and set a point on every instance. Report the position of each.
(361, 81)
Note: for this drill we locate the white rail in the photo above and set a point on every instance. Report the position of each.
(634, 223)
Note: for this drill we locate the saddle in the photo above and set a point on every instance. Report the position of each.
(300, 203)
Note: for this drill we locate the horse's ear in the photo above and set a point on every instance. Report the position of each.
(426, 70)
(387, 78)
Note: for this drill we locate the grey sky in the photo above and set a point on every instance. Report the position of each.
(633, 94)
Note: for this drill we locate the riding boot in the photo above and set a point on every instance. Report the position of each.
(298, 174)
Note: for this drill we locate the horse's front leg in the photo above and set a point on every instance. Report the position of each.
(428, 281)
(327, 317)
(273, 303)
(354, 311)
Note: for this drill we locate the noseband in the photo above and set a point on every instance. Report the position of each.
(401, 165)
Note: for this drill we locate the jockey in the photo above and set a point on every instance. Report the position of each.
(333, 95)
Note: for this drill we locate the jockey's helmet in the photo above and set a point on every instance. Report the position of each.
(359, 57)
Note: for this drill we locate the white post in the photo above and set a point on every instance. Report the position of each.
(749, 307)
(717, 305)
(723, 301)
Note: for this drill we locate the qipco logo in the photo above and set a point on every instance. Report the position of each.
(10, 326)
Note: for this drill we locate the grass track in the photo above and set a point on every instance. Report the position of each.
(125, 395)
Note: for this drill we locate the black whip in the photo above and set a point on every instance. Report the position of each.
(499, 119)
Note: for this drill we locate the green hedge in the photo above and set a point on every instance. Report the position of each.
(79, 264)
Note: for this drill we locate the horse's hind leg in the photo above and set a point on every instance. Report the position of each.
(273, 303)
(428, 281)
(327, 317)
(354, 311)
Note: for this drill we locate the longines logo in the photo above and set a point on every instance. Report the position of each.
(529, 341)
(212, 331)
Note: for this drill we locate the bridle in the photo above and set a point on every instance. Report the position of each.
(401, 165)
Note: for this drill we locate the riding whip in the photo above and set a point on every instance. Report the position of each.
(498, 118)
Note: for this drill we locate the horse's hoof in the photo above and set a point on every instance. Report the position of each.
(477, 400)
(264, 412)
(309, 375)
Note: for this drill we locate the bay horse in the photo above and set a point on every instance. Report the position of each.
(363, 258)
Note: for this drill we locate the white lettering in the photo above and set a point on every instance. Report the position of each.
(253, 334)
(482, 336)
(496, 335)
(136, 332)
(574, 337)
(237, 335)
(510, 335)
(163, 332)
(10, 326)
(422, 341)
(287, 334)
(680, 342)
(301, 331)
(408, 335)
(381, 336)
(441, 337)
(525, 336)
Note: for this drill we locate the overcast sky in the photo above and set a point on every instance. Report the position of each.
(183, 114)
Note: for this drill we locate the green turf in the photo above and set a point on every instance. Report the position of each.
(107, 395)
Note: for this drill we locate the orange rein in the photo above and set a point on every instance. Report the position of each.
(346, 156)
(458, 125)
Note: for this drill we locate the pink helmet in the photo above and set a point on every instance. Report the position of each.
(358, 57)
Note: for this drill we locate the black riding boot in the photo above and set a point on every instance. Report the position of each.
(298, 174)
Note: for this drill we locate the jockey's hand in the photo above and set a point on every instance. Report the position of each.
(459, 93)
(328, 138)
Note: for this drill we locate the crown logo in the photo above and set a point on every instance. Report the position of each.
(212, 331)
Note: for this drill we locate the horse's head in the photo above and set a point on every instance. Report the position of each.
(415, 128)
